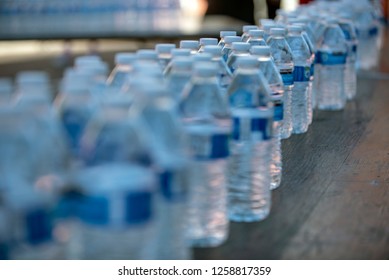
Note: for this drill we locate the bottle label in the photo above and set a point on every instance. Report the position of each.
(373, 31)
(252, 129)
(354, 48)
(312, 70)
(210, 147)
(301, 73)
(136, 208)
(287, 78)
(278, 110)
(326, 58)
(38, 226)
(172, 185)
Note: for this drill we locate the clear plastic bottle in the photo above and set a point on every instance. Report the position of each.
(283, 58)
(249, 195)
(332, 56)
(186, 53)
(238, 49)
(224, 74)
(206, 117)
(274, 79)
(301, 77)
(33, 86)
(228, 40)
(256, 38)
(117, 212)
(179, 76)
(164, 53)
(122, 70)
(207, 42)
(224, 34)
(158, 112)
(246, 29)
(350, 75)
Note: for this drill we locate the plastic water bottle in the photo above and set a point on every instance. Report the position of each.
(117, 206)
(185, 53)
(256, 38)
(246, 29)
(249, 194)
(164, 53)
(224, 75)
(5, 241)
(228, 40)
(301, 77)
(332, 56)
(350, 75)
(274, 79)
(193, 45)
(33, 86)
(224, 34)
(283, 58)
(148, 56)
(238, 49)
(159, 113)
(206, 117)
(122, 70)
(179, 76)
(207, 42)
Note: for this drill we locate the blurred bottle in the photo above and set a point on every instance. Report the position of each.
(224, 34)
(256, 38)
(301, 77)
(186, 53)
(249, 166)
(274, 79)
(207, 42)
(179, 76)
(332, 55)
(164, 53)
(6, 91)
(238, 49)
(122, 70)
(5, 241)
(193, 45)
(224, 74)
(206, 118)
(228, 40)
(33, 86)
(283, 58)
(246, 29)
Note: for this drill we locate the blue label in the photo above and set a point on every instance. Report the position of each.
(287, 78)
(220, 146)
(74, 122)
(326, 58)
(68, 205)
(301, 73)
(373, 31)
(262, 125)
(169, 189)
(95, 210)
(278, 111)
(38, 226)
(4, 251)
(354, 48)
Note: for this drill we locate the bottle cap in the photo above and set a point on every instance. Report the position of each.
(278, 31)
(205, 69)
(86, 60)
(240, 46)
(125, 58)
(182, 62)
(189, 44)
(227, 33)
(214, 50)
(246, 28)
(260, 50)
(295, 28)
(164, 48)
(180, 52)
(36, 77)
(256, 33)
(147, 54)
(208, 41)
(231, 39)
(247, 61)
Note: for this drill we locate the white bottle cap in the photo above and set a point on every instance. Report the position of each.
(208, 41)
(256, 33)
(295, 28)
(214, 50)
(189, 44)
(125, 58)
(247, 61)
(231, 39)
(164, 48)
(246, 28)
(35, 77)
(86, 60)
(240, 46)
(278, 31)
(260, 50)
(180, 52)
(147, 54)
(227, 33)
(205, 69)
